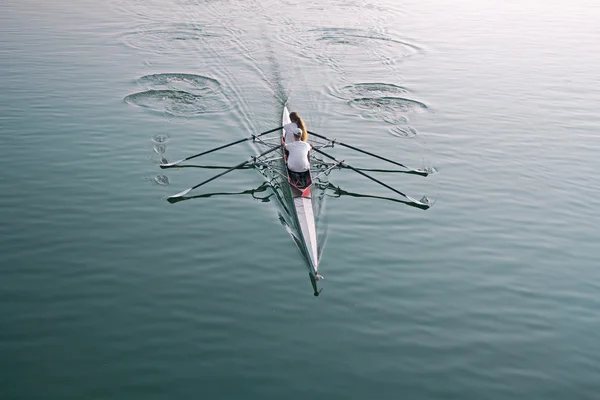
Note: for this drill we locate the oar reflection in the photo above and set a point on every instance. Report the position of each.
(336, 192)
(265, 187)
(267, 190)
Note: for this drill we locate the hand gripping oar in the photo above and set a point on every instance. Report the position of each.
(223, 173)
(413, 202)
(410, 170)
(174, 163)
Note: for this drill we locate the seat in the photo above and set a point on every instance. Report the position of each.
(300, 180)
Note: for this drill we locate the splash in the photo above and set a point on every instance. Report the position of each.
(161, 180)
(160, 139)
(160, 148)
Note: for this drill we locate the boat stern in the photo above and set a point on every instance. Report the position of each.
(313, 281)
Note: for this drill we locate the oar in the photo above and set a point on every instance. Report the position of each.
(413, 202)
(222, 173)
(410, 170)
(174, 163)
(211, 166)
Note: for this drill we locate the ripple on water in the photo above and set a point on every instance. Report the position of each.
(160, 148)
(403, 131)
(140, 8)
(388, 109)
(162, 138)
(177, 37)
(179, 95)
(162, 180)
(361, 38)
(333, 46)
(361, 90)
(196, 84)
(173, 102)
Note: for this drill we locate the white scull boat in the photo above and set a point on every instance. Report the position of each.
(304, 214)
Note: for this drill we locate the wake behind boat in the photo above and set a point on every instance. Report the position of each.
(297, 188)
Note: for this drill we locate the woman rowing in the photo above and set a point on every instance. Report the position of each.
(297, 154)
(296, 125)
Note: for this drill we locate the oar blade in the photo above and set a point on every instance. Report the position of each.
(181, 194)
(171, 164)
(417, 203)
(419, 171)
(423, 204)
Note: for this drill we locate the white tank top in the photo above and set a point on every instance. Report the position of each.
(289, 130)
(298, 157)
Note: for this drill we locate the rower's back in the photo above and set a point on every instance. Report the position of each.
(298, 155)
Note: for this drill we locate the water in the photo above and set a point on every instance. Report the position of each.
(109, 291)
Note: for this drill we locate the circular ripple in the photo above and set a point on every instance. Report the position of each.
(160, 148)
(362, 90)
(405, 131)
(176, 102)
(332, 45)
(388, 109)
(195, 84)
(177, 37)
(161, 180)
(358, 37)
(160, 139)
(179, 95)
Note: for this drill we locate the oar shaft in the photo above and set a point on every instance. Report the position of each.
(360, 172)
(175, 163)
(231, 144)
(423, 173)
(368, 176)
(233, 168)
(373, 155)
(376, 180)
(221, 174)
(218, 148)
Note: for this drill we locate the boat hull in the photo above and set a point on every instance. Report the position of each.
(304, 216)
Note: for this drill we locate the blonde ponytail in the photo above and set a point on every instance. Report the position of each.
(295, 118)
